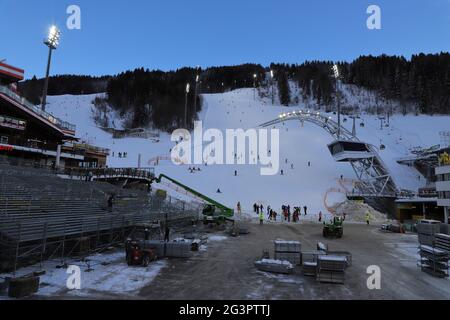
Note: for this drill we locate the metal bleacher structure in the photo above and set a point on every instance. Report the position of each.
(373, 177)
(43, 215)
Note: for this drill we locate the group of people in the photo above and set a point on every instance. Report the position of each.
(296, 213)
(194, 169)
(258, 208)
(272, 214)
(121, 154)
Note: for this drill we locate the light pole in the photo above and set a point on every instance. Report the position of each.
(52, 43)
(188, 86)
(271, 77)
(254, 86)
(354, 117)
(197, 78)
(381, 122)
(336, 75)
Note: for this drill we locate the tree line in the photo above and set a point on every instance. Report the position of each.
(157, 98)
(62, 84)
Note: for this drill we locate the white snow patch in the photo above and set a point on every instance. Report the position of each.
(217, 238)
(109, 275)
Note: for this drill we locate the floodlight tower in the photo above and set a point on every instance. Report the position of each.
(197, 79)
(188, 87)
(336, 76)
(52, 43)
(254, 85)
(271, 79)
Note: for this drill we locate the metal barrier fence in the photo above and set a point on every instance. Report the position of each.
(36, 109)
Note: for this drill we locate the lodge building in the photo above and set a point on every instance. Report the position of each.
(27, 132)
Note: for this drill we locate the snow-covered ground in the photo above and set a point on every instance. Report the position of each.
(101, 274)
(300, 186)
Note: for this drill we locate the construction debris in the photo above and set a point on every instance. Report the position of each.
(274, 266)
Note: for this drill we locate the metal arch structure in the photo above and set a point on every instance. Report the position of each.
(374, 179)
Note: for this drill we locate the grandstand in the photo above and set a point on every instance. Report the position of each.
(57, 196)
(43, 215)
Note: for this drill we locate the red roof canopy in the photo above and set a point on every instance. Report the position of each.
(10, 73)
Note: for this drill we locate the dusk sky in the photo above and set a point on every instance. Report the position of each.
(120, 35)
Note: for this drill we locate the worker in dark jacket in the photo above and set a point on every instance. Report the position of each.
(166, 233)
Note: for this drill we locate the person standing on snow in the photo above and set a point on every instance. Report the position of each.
(261, 218)
(320, 216)
(239, 207)
(367, 218)
(305, 208)
(261, 208)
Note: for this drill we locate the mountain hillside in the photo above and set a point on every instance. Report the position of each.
(302, 185)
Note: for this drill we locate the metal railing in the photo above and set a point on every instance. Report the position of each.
(104, 173)
(36, 109)
(40, 145)
(11, 122)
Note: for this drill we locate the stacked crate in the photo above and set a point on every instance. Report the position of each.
(442, 241)
(179, 249)
(289, 251)
(309, 259)
(170, 249)
(434, 261)
(331, 268)
(426, 229)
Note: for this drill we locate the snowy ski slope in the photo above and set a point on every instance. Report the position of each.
(302, 185)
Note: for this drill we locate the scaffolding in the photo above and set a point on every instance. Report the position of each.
(374, 178)
(43, 216)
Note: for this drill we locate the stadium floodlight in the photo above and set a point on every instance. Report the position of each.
(336, 71)
(197, 79)
(271, 84)
(254, 85)
(188, 88)
(52, 42)
(336, 75)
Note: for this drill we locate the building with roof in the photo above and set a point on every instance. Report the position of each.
(28, 132)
